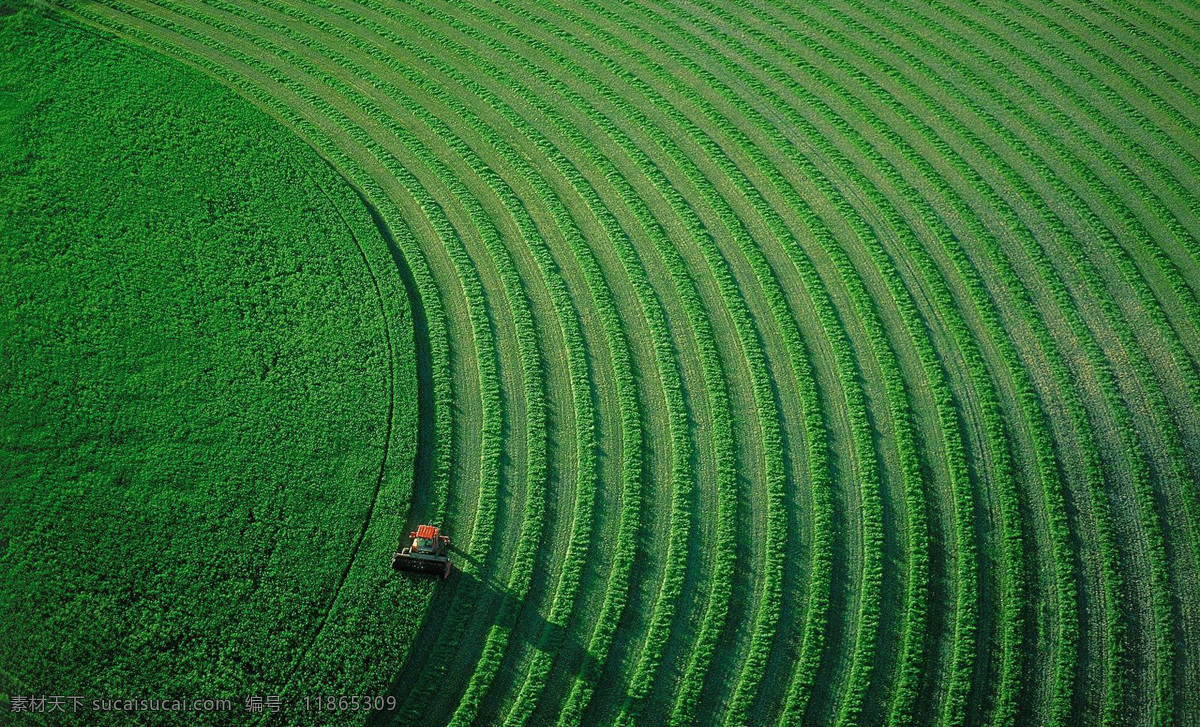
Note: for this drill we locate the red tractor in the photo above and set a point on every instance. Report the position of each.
(428, 553)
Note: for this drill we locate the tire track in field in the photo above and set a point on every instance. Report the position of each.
(387, 437)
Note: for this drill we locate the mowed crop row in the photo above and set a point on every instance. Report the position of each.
(788, 364)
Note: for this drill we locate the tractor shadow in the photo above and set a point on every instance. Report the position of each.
(462, 612)
(423, 460)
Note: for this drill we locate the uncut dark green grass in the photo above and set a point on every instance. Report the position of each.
(195, 390)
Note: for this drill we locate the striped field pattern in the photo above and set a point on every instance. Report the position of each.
(784, 363)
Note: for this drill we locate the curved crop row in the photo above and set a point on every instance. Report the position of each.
(1184, 295)
(1122, 102)
(1065, 662)
(1144, 244)
(993, 421)
(771, 438)
(540, 668)
(578, 697)
(581, 518)
(1177, 56)
(1178, 460)
(704, 337)
(785, 318)
(699, 322)
(1144, 489)
(1065, 237)
(1028, 403)
(900, 413)
(783, 315)
(1082, 427)
(868, 480)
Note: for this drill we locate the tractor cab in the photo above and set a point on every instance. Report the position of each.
(423, 545)
(429, 552)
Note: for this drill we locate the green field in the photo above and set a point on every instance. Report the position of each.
(207, 401)
(823, 363)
